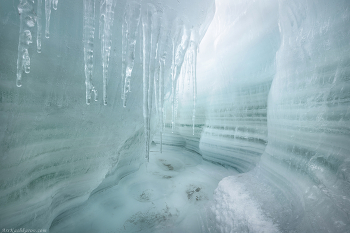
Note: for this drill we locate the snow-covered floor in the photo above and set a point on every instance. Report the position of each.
(172, 193)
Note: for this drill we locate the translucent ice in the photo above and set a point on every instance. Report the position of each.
(27, 22)
(255, 87)
(89, 35)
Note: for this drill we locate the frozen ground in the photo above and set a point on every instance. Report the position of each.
(173, 193)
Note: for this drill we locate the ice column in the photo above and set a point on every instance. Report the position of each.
(106, 23)
(89, 34)
(47, 16)
(151, 29)
(129, 30)
(39, 26)
(27, 21)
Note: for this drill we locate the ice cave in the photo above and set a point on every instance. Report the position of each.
(178, 116)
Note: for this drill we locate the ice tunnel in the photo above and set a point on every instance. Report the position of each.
(175, 116)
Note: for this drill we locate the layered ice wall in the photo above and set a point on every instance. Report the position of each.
(276, 74)
(308, 116)
(236, 66)
(65, 133)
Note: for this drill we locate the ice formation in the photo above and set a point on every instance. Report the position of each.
(89, 35)
(27, 22)
(267, 97)
(39, 25)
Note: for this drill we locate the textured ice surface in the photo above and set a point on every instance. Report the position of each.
(272, 101)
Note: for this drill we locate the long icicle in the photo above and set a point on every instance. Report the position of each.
(130, 28)
(173, 90)
(162, 48)
(156, 56)
(88, 36)
(106, 23)
(47, 16)
(39, 25)
(156, 84)
(150, 28)
(146, 57)
(161, 100)
(124, 48)
(194, 50)
(27, 21)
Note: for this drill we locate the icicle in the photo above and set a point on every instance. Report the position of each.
(161, 100)
(89, 34)
(150, 26)
(54, 4)
(39, 26)
(141, 42)
(130, 28)
(146, 57)
(194, 50)
(47, 16)
(27, 21)
(173, 90)
(162, 48)
(124, 48)
(106, 23)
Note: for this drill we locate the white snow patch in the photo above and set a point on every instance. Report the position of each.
(236, 211)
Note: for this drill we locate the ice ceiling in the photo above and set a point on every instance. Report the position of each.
(259, 87)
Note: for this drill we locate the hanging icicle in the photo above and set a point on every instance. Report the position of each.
(27, 21)
(146, 32)
(106, 23)
(194, 50)
(54, 4)
(151, 29)
(154, 40)
(173, 89)
(161, 57)
(88, 37)
(129, 30)
(141, 42)
(47, 16)
(161, 99)
(39, 25)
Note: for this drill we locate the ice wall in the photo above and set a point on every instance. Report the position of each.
(308, 115)
(59, 145)
(236, 66)
(273, 96)
(301, 183)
